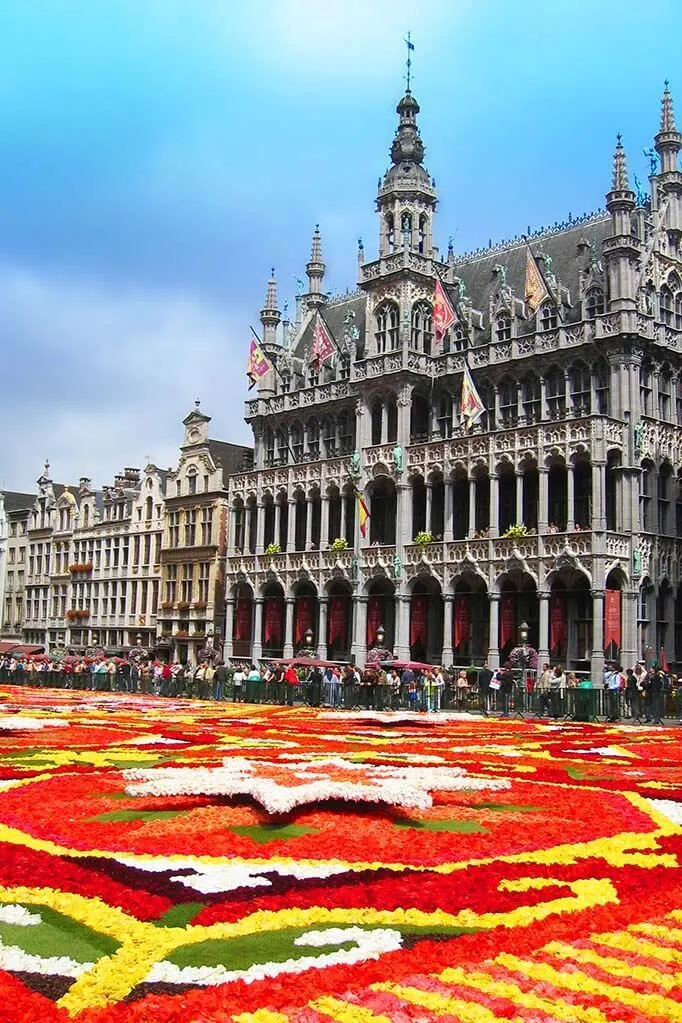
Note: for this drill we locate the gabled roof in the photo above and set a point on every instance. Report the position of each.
(15, 501)
(334, 314)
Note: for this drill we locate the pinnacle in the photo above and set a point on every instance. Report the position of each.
(620, 169)
(316, 247)
(271, 296)
(667, 112)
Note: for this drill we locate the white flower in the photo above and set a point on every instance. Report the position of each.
(12, 914)
(21, 723)
(15, 960)
(669, 808)
(215, 878)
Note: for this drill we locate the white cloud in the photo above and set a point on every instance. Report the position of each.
(97, 378)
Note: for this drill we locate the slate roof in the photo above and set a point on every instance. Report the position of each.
(15, 501)
(334, 314)
(232, 457)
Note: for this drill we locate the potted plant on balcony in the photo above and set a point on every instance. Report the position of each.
(273, 548)
(340, 544)
(515, 532)
(424, 538)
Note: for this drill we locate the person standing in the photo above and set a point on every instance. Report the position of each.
(612, 680)
(219, 679)
(238, 679)
(291, 680)
(253, 682)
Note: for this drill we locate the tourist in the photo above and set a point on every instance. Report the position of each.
(238, 679)
(219, 680)
(253, 682)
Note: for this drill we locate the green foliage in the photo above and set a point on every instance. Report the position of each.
(424, 538)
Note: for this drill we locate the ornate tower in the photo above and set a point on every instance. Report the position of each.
(270, 317)
(668, 143)
(406, 201)
(622, 248)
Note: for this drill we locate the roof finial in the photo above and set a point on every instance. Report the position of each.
(408, 64)
(316, 247)
(271, 296)
(197, 403)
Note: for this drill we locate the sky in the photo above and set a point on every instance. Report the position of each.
(157, 157)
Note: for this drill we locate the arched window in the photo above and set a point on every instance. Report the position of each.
(269, 445)
(555, 389)
(329, 435)
(594, 303)
(509, 402)
(313, 431)
(487, 396)
(531, 398)
(445, 409)
(346, 432)
(86, 515)
(391, 419)
(503, 325)
(459, 337)
(406, 228)
(422, 232)
(390, 232)
(192, 476)
(422, 327)
(601, 387)
(667, 306)
(581, 389)
(646, 387)
(297, 441)
(148, 508)
(377, 416)
(548, 316)
(386, 333)
(664, 392)
(420, 418)
(282, 447)
(646, 497)
(678, 310)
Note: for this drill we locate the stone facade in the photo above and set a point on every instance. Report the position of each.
(15, 509)
(561, 507)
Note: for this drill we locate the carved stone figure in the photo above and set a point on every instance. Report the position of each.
(397, 567)
(636, 563)
(355, 463)
(639, 439)
(398, 459)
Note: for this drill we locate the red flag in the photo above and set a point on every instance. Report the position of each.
(557, 620)
(419, 611)
(323, 344)
(258, 364)
(612, 619)
(373, 619)
(363, 516)
(462, 622)
(443, 313)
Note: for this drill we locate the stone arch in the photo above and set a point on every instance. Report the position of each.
(380, 612)
(426, 619)
(274, 619)
(470, 618)
(339, 619)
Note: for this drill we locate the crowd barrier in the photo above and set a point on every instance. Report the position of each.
(576, 704)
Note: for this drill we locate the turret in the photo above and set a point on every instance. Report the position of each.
(270, 316)
(668, 143)
(622, 247)
(315, 269)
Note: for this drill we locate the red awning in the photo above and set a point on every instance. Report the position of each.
(6, 646)
(20, 649)
(401, 665)
(304, 662)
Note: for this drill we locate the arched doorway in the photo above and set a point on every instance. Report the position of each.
(339, 621)
(380, 613)
(570, 621)
(470, 621)
(426, 621)
(272, 637)
(518, 603)
(242, 623)
(613, 615)
(305, 617)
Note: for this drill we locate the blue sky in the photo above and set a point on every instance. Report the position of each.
(158, 156)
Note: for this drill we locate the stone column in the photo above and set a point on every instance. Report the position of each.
(448, 655)
(494, 504)
(257, 646)
(308, 523)
(543, 628)
(598, 510)
(519, 498)
(429, 505)
(472, 507)
(543, 498)
(289, 628)
(324, 523)
(291, 525)
(403, 525)
(494, 630)
(629, 649)
(597, 659)
(323, 603)
(359, 643)
(278, 521)
(570, 497)
(402, 632)
(260, 527)
(343, 515)
(229, 627)
(448, 531)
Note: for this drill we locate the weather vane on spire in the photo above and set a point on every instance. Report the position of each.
(410, 48)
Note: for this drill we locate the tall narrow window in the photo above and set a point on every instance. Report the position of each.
(422, 327)
(386, 333)
(503, 327)
(555, 387)
(594, 303)
(548, 316)
(667, 306)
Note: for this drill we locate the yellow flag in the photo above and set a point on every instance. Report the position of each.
(536, 289)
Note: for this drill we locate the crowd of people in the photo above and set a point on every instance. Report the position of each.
(638, 693)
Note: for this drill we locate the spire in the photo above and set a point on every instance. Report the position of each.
(667, 112)
(620, 168)
(407, 144)
(315, 269)
(668, 142)
(270, 315)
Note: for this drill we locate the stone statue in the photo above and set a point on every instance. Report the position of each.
(636, 562)
(354, 568)
(500, 269)
(639, 439)
(397, 567)
(398, 459)
(300, 287)
(653, 160)
(355, 463)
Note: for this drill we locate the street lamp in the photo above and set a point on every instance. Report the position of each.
(381, 636)
(309, 638)
(523, 633)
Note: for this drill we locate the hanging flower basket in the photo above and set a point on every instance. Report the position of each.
(423, 539)
(515, 533)
(273, 548)
(340, 544)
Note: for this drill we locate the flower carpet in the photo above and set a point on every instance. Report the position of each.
(162, 860)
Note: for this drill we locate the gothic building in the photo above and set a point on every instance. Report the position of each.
(561, 507)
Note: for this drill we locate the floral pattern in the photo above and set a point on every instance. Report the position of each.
(174, 862)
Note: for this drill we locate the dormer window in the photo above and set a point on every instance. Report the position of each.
(594, 303)
(459, 338)
(192, 481)
(548, 316)
(503, 326)
(667, 306)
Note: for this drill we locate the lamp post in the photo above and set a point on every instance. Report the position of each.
(380, 636)
(309, 639)
(523, 634)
